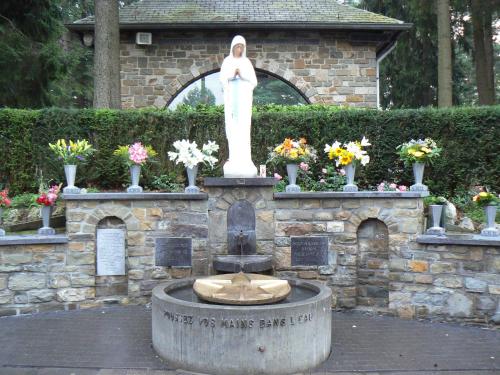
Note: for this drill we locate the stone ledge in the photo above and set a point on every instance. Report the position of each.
(133, 196)
(459, 239)
(345, 195)
(222, 181)
(33, 240)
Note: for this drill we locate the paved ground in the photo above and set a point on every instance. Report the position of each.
(117, 341)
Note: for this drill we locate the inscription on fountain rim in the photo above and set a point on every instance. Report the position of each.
(212, 322)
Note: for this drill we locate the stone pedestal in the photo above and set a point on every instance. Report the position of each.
(241, 223)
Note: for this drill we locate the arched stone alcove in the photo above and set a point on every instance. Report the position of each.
(373, 264)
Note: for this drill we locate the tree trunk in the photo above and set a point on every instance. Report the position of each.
(483, 50)
(107, 55)
(444, 54)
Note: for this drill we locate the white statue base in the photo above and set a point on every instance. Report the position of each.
(240, 170)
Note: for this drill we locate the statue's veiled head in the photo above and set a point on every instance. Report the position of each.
(238, 47)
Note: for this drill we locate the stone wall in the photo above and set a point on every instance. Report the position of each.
(452, 282)
(377, 258)
(327, 67)
(339, 219)
(221, 198)
(36, 277)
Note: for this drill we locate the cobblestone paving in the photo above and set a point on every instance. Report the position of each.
(117, 341)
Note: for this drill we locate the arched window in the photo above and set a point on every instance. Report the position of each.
(208, 90)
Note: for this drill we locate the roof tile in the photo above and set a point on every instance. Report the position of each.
(244, 11)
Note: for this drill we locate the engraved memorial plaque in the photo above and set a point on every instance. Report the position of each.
(309, 251)
(110, 252)
(173, 251)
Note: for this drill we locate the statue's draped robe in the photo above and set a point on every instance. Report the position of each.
(238, 98)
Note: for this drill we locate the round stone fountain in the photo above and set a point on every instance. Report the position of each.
(284, 337)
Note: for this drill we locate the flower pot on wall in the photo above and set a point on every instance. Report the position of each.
(2, 232)
(70, 172)
(350, 171)
(135, 174)
(291, 170)
(191, 173)
(418, 174)
(490, 230)
(436, 211)
(46, 212)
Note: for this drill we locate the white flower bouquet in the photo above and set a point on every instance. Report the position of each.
(190, 155)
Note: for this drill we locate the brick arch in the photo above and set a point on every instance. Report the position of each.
(196, 73)
(374, 213)
(107, 210)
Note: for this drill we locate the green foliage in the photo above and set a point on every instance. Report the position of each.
(167, 182)
(274, 90)
(408, 76)
(433, 200)
(26, 200)
(199, 96)
(468, 136)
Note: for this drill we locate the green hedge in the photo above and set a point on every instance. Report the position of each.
(469, 137)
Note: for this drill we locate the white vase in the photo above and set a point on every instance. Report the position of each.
(2, 232)
(291, 170)
(46, 213)
(350, 171)
(490, 230)
(135, 174)
(418, 174)
(436, 211)
(70, 172)
(191, 173)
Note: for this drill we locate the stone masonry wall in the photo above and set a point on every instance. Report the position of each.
(221, 198)
(339, 219)
(375, 259)
(327, 67)
(40, 277)
(451, 282)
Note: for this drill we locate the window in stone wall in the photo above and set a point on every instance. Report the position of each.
(208, 90)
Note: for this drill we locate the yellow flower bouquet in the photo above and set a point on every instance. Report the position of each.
(292, 151)
(348, 153)
(485, 199)
(419, 151)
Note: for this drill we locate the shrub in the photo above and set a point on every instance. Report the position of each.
(469, 138)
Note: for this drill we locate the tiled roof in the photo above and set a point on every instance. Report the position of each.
(248, 12)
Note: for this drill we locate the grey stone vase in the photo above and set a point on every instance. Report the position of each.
(418, 173)
(191, 173)
(70, 172)
(350, 171)
(46, 212)
(490, 230)
(2, 232)
(436, 211)
(291, 170)
(135, 174)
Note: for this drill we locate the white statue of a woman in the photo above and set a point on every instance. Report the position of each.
(238, 81)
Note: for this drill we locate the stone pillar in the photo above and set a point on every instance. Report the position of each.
(222, 193)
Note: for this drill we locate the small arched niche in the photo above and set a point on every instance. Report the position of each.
(373, 264)
(111, 254)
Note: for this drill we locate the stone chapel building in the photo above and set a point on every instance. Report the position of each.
(328, 52)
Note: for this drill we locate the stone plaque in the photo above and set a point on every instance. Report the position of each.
(173, 251)
(309, 251)
(110, 252)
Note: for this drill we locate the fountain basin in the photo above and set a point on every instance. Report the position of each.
(288, 337)
(243, 263)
